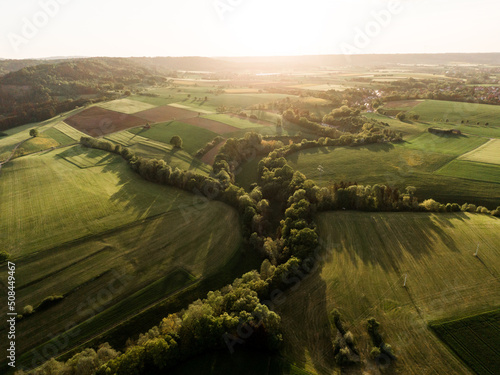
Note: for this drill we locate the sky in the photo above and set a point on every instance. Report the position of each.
(47, 28)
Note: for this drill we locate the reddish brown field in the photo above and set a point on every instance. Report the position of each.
(166, 113)
(215, 126)
(97, 121)
(209, 157)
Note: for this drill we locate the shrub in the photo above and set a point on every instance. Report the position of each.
(176, 141)
(28, 310)
(430, 205)
(401, 116)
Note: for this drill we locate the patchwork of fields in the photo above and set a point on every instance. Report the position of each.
(78, 220)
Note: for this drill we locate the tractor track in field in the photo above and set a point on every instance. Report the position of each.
(12, 153)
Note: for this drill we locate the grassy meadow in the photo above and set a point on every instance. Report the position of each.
(409, 164)
(107, 241)
(193, 137)
(363, 265)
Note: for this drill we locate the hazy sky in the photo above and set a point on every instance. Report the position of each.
(43, 28)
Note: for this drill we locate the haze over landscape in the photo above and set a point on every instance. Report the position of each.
(244, 28)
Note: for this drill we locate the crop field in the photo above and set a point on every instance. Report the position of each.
(193, 137)
(69, 131)
(96, 121)
(401, 165)
(234, 100)
(166, 113)
(473, 171)
(32, 145)
(86, 157)
(150, 238)
(104, 196)
(488, 153)
(438, 111)
(457, 111)
(173, 157)
(59, 136)
(199, 110)
(364, 261)
(475, 339)
(213, 126)
(21, 133)
(445, 144)
(128, 106)
(150, 148)
(237, 121)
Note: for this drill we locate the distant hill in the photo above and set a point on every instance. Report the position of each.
(194, 63)
(35, 93)
(338, 61)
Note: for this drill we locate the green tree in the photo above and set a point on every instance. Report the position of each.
(401, 116)
(176, 141)
(33, 133)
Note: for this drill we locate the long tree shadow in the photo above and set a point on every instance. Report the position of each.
(376, 243)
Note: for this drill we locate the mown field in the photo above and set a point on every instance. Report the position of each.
(418, 162)
(150, 148)
(128, 106)
(436, 112)
(364, 260)
(109, 242)
(488, 153)
(79, 202)
(475, 339)
(193, 137)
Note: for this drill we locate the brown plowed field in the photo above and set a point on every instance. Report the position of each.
(209, 157)
(166, 113)
(96, 121)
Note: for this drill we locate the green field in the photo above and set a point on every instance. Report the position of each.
(438, 111)
(104, 197)
(364, 260)
(402, 165)
(173, 157)
(193, 137)
(472, 171)
(475, 339)
(21, 133)
(83, 232)
(488, 153)
(150, 148)
(128, 106)
(236, 121)
(59, 136)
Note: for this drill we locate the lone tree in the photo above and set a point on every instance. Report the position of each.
(33, 133)
(401, 116)
(176, 141)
